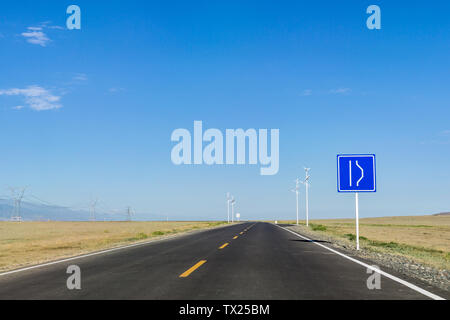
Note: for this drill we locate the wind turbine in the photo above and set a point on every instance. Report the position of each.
(296, 191)
(229, 198)
(306, 183)
(232, 208)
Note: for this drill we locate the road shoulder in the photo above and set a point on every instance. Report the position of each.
(395, 265)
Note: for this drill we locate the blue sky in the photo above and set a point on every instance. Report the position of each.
(89, 113)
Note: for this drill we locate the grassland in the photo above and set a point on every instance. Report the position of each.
(425, 239)
(26, 243)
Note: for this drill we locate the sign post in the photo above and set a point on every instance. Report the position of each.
(297, 181)
(357, 219)
(356, 173)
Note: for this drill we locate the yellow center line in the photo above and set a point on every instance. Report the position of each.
(223, 246)
(192, 269)
(235, 237)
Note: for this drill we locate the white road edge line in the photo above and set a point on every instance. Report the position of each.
(78, 257)
(387, 275)
(94, 253)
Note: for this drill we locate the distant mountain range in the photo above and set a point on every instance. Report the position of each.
(30, 211)
(442, 214)
(40, 212)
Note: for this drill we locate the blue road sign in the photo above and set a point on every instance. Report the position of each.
(356, 173)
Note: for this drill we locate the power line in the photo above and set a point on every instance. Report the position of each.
(45, 202)
(18, 195)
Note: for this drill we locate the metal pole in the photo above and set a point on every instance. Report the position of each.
(228, 211)
(307, 214)
(232, 212)
(357, 220)
(296, 193)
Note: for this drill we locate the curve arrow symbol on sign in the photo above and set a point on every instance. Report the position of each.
(362, 173)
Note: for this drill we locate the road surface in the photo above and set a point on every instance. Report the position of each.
(243, 261)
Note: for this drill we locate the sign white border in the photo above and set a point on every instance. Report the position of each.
(357, 155)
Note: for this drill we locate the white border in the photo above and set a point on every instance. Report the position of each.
(361, 156)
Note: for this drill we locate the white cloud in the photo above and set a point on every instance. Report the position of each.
(18, 107)
(56, 27)
(80, 77)
(35, 35)
(310, 92)
(437, 142)
(36, 97)
(340, 91)
(114, 90)
(306, 92)
(48, 25)
(441, 138)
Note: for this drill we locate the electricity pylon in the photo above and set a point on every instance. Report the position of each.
(129, 213)
(17, 196)
(92, 209)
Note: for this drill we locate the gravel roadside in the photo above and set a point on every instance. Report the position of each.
(403, 265)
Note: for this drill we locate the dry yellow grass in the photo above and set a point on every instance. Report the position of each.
(25, 243)
(423, 238)
(424, 231)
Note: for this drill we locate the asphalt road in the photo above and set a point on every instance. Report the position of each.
(263, 262)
